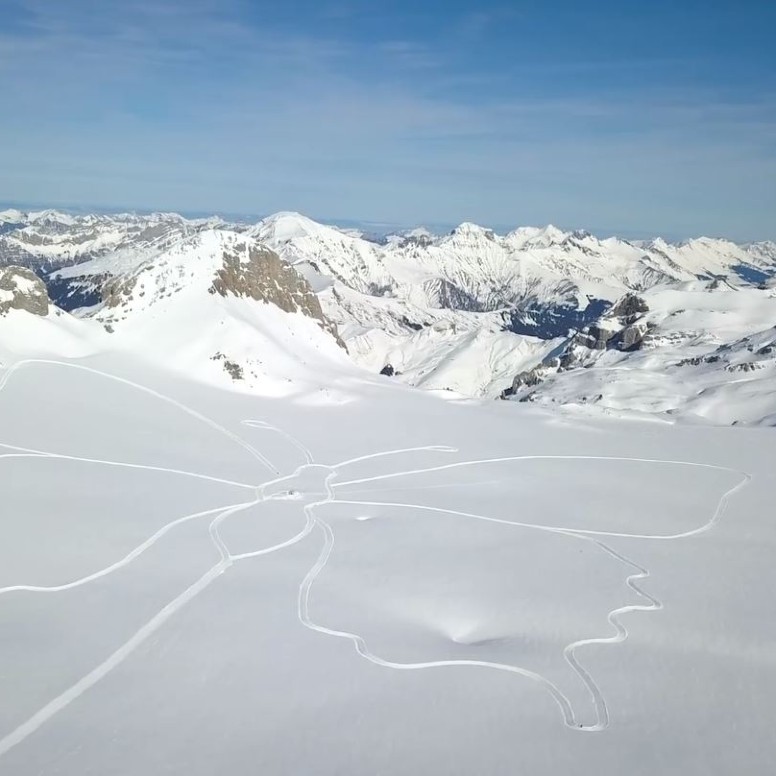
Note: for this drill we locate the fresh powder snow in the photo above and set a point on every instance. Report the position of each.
(231, 545)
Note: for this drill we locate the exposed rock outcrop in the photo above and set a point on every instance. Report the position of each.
(629, 308)
(632, 337)
(115, 290)
(421, 239)
(622, 327)
(232, 368)
(595, 337)
(22, 289)
(531, 378)
(259, 273)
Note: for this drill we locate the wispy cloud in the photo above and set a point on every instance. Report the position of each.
(164, 104)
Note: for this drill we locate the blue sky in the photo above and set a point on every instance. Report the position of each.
(619, 116)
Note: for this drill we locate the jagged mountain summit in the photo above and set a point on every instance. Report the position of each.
(538, 314)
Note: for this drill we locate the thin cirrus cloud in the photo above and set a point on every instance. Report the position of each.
(213, 107)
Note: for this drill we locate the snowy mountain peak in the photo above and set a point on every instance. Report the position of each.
(419, 233)
(658, 244)
(212, 262)
(51, 216)
(525, 237)
(470, 231)
(288, 225)
(549, 235)
(11, 216)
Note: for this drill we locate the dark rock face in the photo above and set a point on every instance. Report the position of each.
(233, 369)
(411, 324)
(260, 274)
(629, 308)
(560, 360)
(621, 327)
(746, 366)
(22, 289)
(117, 289)
(421, 240)
(594, 337)
(529, 379)
(631, 337)
(388, 371)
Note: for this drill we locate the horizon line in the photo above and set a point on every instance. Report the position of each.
(382, 228)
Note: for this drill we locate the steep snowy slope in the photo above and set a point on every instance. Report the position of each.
(222, 307)
(357, 263)
(435, 348)
(217, 306)
(31, 326)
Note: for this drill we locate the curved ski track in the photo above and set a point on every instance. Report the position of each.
(227, 559)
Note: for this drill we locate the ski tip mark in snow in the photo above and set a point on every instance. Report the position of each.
(126, 560)
(570, 718)
(227, 559)
(399, 451)
(262, 424)
(151, 392)
(29, 452)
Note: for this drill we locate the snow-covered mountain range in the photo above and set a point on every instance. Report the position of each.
(537, 314)
(230, 545)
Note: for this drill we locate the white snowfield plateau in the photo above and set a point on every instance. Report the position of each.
(228, 548)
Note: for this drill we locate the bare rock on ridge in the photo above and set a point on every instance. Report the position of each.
(260, 274)
(22, 289)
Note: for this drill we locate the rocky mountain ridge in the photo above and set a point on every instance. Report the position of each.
(472, 311)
